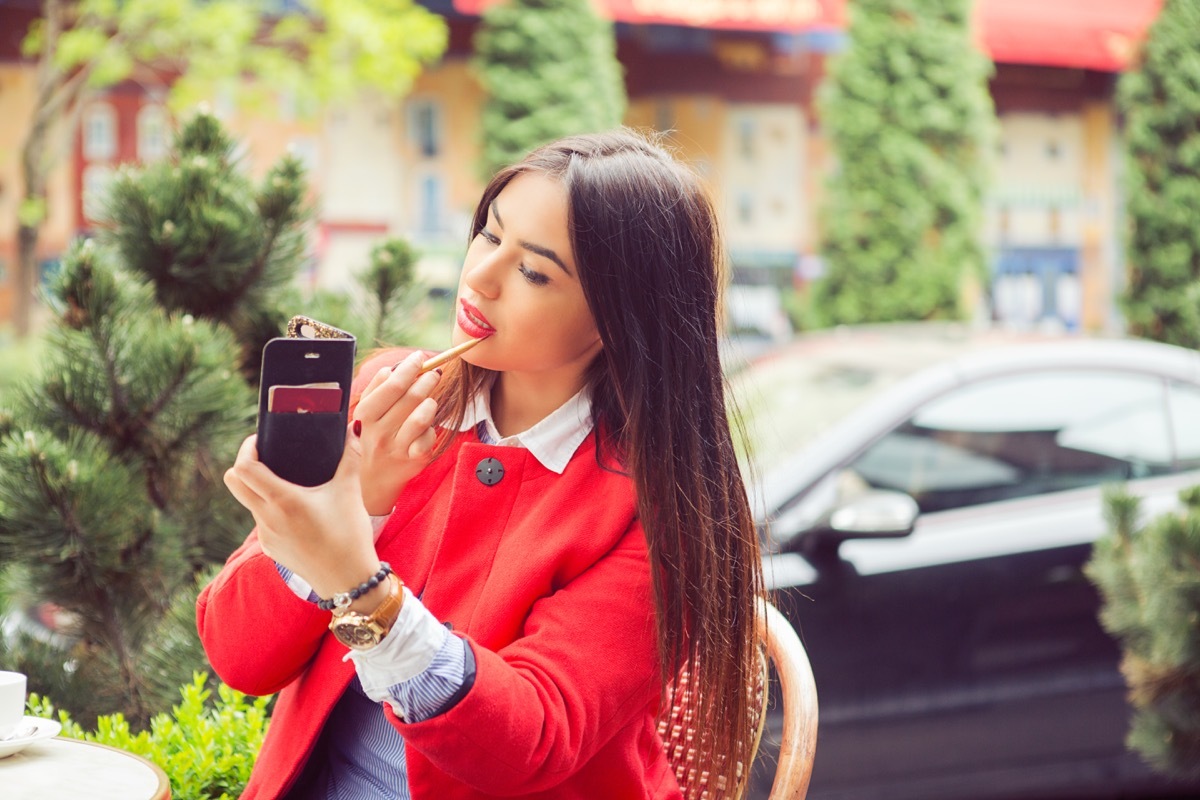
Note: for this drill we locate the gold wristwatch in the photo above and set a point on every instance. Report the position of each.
(364, 631)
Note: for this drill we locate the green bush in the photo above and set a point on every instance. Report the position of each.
(1149, 580)
(911, 122)
(206, 749)
(548, 68)
(1160, 101)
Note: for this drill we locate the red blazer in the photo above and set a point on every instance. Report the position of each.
(548, 579)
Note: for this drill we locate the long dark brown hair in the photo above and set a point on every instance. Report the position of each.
(645, 238)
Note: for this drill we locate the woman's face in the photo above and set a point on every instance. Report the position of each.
(520, 287)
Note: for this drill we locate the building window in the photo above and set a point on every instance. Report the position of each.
(430, 204)
(426, 128)
(100, 133)
(664, 115)
(745, 208)
(747, 133)
(151, 133)
(305, 148)
(96, 180)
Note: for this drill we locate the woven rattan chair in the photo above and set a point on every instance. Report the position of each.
(798, 695)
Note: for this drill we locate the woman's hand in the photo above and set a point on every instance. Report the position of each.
(322, 533)
(397, 414)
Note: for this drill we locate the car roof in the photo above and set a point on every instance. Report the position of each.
(894, 404)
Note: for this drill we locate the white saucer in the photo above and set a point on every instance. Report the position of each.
(45, 729)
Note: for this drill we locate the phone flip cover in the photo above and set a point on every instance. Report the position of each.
(304, 448)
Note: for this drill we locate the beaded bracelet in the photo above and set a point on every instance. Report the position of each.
(342, 600)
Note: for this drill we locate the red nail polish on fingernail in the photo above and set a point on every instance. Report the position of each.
(357, 427)
(438, 370)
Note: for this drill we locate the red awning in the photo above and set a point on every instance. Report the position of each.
(745, 15)
(1088, 34)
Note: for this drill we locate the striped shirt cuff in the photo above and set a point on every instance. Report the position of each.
(298, 585)
(416, 662)
(431, 692)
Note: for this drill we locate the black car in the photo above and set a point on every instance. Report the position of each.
(929, 550)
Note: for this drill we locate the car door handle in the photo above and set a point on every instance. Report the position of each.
(1063, 573)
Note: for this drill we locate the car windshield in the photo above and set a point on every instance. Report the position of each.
(792, 395)
(1020, 435)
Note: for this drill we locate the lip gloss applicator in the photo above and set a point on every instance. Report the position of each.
(448, 355)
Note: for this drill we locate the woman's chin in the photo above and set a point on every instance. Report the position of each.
(478, 359)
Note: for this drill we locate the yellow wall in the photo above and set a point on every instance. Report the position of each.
(461, 98)
(266, 135)
(1099, 258)
(16, 107)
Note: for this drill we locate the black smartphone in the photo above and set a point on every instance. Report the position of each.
(303, 401)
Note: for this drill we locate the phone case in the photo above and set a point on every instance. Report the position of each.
(304, 448)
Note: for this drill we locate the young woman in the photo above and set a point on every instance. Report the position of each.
(561, 510)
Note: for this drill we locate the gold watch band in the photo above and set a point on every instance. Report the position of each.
(389, 610)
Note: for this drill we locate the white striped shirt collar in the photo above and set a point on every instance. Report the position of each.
(552, 441)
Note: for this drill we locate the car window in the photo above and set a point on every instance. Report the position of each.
(1185, 424)
(1025, 435)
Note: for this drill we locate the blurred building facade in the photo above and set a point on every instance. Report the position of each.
(733, 83)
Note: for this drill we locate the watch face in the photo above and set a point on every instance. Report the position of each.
(360, 631)
(356, 634)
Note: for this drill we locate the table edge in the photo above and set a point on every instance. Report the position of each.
(164, 786)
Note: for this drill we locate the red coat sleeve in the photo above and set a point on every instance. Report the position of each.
(585, 667)
(257, 633)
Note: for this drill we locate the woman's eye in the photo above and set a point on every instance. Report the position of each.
(488, 236)
(536, 278)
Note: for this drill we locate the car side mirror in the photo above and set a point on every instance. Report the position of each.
(874, 514)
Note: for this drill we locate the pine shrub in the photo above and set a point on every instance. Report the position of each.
(112, 449)
(1149, 580)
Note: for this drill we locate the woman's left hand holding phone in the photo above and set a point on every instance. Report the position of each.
(322, 533)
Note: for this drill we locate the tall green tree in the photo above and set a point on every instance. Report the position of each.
(322, 51)
(911, 121)
(112, 506)
(549, 69)
(1149, 579)
(1161, 103)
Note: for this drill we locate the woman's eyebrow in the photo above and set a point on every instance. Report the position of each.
(544, 252)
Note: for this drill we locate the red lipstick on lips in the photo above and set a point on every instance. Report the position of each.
(472, 321)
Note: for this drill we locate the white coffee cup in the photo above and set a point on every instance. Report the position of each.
(12, 701)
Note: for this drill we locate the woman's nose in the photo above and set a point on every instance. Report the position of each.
(483, 277)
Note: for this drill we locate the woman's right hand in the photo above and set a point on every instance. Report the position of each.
(397, 436)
